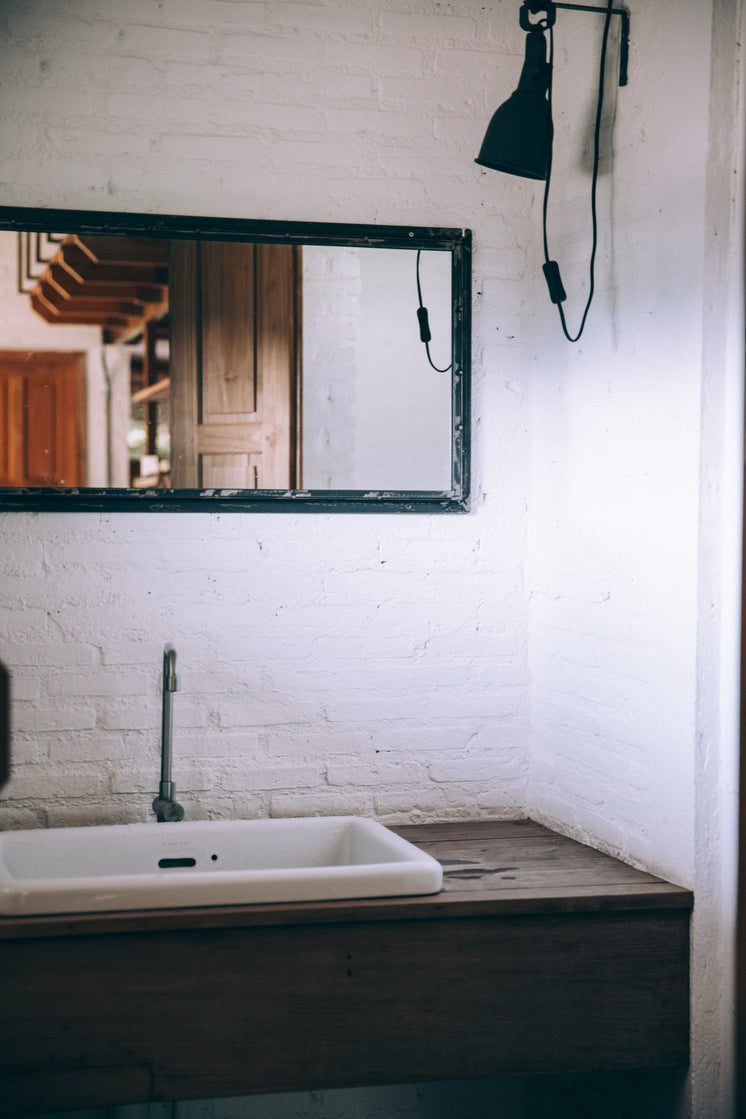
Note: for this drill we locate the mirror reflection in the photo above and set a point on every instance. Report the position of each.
(151, 363)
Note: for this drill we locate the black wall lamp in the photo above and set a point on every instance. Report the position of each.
(520, 134)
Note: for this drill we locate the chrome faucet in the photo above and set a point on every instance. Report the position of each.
(167, 810)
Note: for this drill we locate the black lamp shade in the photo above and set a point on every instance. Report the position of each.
(519, 136)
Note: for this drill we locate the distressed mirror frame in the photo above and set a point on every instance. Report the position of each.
(455, 241)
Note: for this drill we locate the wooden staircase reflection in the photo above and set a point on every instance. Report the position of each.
(116, 283)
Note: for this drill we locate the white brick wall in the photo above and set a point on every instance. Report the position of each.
(557, 650)
(327, 687)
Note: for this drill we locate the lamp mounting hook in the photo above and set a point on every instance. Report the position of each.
(534, 7)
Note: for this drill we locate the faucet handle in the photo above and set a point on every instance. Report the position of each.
(173, 812)
(167, 811)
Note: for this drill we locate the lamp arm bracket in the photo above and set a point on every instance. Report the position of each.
(548, 6)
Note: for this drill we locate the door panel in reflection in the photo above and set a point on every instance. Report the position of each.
(42, 419)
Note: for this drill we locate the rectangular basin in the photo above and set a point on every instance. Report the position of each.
(208, 862)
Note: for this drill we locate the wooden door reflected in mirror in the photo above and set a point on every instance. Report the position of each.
(42, 418)
(235, 347)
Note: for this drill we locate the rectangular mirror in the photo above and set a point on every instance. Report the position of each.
(169, 363)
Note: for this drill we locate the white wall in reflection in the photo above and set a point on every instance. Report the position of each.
(376, 415)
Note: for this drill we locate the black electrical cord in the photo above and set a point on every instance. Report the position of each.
(551, 268)
(422, 317)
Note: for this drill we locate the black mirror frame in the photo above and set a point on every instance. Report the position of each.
(456, 241)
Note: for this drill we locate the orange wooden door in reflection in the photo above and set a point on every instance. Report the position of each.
(42, 418)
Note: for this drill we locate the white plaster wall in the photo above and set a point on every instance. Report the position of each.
(381, 664)
(717, 776)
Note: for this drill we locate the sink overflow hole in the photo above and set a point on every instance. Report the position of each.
(176, 862)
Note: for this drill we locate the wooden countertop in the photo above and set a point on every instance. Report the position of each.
(508, 867)
(540, 955)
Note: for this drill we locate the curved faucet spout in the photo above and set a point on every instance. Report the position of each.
(164, 805)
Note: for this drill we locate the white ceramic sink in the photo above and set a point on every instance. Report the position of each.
(208, 862)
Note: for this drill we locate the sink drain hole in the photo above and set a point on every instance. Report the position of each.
(165, 863)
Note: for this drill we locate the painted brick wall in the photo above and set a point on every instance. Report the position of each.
(634, 624)
(328, 664)
(614, 541)
(342, 682)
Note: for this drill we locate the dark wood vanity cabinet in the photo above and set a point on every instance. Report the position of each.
(540, 955)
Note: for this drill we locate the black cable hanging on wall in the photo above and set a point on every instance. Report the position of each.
(520, 135)
(551, 267)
